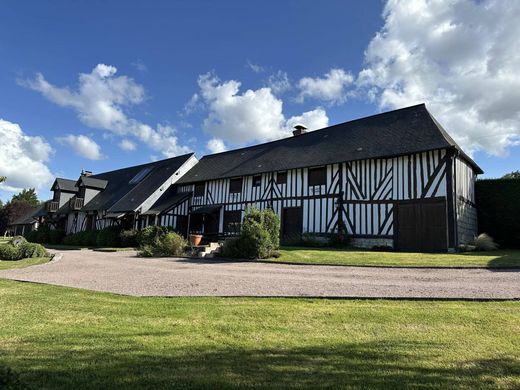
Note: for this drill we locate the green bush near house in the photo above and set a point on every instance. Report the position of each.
(150, 234)
(55, 236)
(109, 236)
(259, 237)
(129, 238)
(84, 238)
(18, 248)
(164, 245)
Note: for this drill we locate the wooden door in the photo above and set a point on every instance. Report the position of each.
(292, 222)
(181, 225)
(421, 226)
(211, 223)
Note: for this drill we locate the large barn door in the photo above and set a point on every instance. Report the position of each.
(292, 222)
(422, 226)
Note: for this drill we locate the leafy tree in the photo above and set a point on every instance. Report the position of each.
(512, 175)
(19, 205)
(28, 196)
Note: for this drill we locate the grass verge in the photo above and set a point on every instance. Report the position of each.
(12, 264)
(62, 338)
(494, 259)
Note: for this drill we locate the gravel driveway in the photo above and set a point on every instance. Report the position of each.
(124, 273)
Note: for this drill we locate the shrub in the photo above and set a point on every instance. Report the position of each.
(129, 238)
(9, 252)
(32, 236)
(150, 234)
(42, 235)
(84, 238)
(56, 236)
(9, 380)
(109, 236)
(30, 250)
(259, 237)
(169, 244)
(484, 243)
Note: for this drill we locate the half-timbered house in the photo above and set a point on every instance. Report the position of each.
(395, 179)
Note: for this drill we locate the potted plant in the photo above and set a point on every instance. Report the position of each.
(195, 239)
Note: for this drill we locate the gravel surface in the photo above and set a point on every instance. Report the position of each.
(124, 273)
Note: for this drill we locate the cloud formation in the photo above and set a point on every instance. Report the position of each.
(331, 88)
(460, 57)
(216, 145)
(251, 116)
(23, 159)
(279, 82)
(100, 102)
(83, 146)
(127, 145)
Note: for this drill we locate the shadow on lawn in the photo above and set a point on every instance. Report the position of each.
(374, 365)
(503, 261)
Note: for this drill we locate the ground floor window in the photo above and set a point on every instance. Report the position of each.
(232, 221)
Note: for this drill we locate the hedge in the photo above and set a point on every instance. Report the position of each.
(498, 210)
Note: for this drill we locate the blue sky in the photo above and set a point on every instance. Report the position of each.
(166, 77)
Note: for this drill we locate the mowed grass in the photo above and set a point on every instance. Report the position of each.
(12, 264)
(63, 338)
(494, 259)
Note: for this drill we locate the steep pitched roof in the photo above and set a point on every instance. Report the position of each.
(399, 132)
(128, 188)
(168, 200)
(64, 185)
(29, 217)
(92, 182)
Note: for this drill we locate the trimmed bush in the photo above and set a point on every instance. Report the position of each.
(56, 236)
(129, 238)
(85, 238)
(9, 252)
(150, 234)
(169, 244)
(30, 250)
(18, 248)
(109, 236)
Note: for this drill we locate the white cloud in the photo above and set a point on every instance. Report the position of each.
(460, 57)
(255, 115)
(127, 145)
(216, 145)
(255, 67)
(100, 102)
(83, 146)
(140, 66)
(313, 120)
(22, 159)
(330, 88)
(279, 82)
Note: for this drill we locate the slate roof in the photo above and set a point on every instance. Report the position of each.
(92, 182)
(399, 132)
(65, 185)
(29, 217)
(168, 200)
(120, 195)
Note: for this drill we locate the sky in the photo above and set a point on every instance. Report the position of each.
(99, 85)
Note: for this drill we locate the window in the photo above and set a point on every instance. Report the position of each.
(199, 189)
(232, 221)
(141, 175)
(317, 176)
(235, 186)
(281, 177)
(257, 181)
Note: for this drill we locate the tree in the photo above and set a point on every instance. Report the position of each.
(2, 179)
(512, 175)
(27, 196)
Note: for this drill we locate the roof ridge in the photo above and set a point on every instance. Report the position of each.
(315, 131)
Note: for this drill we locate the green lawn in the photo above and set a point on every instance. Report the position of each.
(495, 259)
(56, 337)
(11, 264)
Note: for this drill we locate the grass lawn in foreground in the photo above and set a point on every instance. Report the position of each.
(11, 264)
(56, 337)
(493, 259)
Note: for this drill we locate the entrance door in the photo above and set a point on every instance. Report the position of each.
(182, 225)
(422, 226)
(292, 222)
(211, 223)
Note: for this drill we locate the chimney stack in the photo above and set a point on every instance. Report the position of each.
(86, 173)
(299, 130)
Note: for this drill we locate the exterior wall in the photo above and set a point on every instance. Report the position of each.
(466, 212)
(368, 243)
(367, 191)
(65, 197)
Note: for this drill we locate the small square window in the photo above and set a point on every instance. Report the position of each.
(317, 176)
(281, 177)
(257, 181)
(199, 189)
(235, 186)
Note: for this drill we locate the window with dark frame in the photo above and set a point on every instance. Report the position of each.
(199, 189)
(257, 181)
(232, 221)
(317, 176)
(235, 186)
(281, 177)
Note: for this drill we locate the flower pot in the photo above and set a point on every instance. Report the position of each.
(195, 239)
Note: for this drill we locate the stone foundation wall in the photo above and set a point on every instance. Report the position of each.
(368, 243)
(466, 222)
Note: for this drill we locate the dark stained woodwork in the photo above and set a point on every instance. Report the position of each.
(421, 226)
(281, 177)
(317, 176)
(199, 189)
(292, 222)
(181, 225)
(235, 186)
